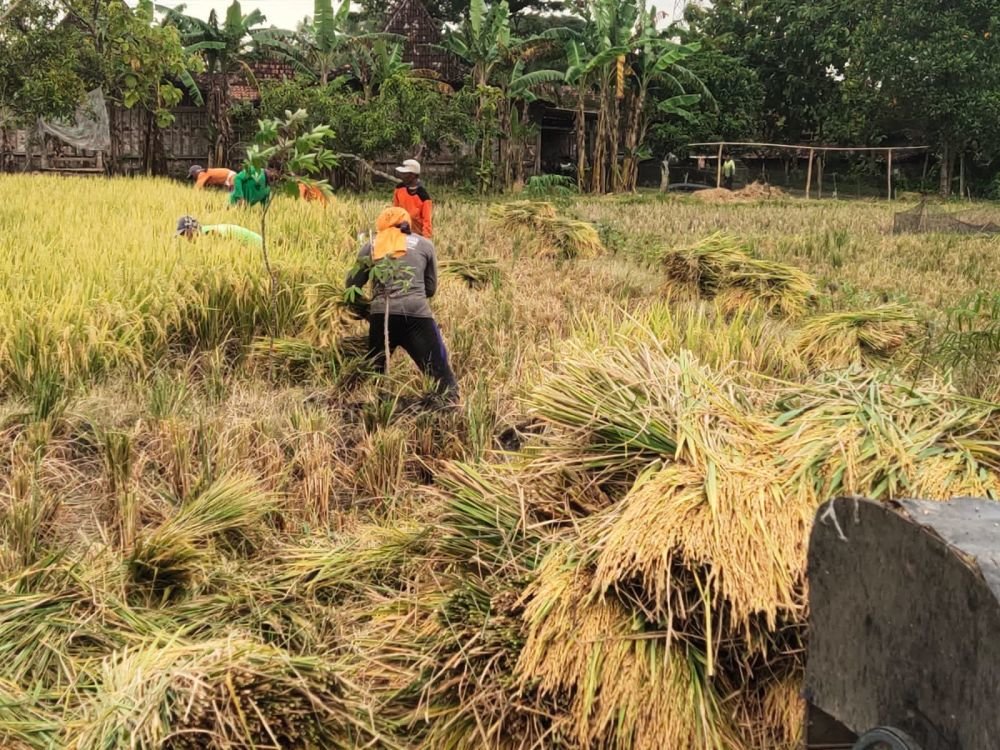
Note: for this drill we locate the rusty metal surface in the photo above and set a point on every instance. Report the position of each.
(905, 619)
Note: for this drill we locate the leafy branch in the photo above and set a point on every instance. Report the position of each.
(290, 154)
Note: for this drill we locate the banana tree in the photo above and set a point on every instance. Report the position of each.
(653, 60)
(223, 47)
(515, 127)
(328, 42)
(584, 69)
(375, 63)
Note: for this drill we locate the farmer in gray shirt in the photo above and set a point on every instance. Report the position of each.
(411, 322)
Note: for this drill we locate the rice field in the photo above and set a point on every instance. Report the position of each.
(218, 531)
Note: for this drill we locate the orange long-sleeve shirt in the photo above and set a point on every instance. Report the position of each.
(310, 193)
(417, 203)
(217, 177)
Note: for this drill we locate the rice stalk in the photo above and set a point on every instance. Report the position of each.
(165, 561)
(477, 273)
(223, 693)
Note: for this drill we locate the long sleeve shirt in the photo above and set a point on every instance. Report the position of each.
(235, 232)
(250, 187)
(417, 203)
(408, 295)
(218, 177)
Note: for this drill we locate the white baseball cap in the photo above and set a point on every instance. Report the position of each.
(410, 166)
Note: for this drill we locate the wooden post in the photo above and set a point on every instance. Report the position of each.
(961, 175)
(809, 173)
(889, 176)
(718, 169)
(819, 175)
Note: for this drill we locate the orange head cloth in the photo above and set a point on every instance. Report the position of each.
(390, 239)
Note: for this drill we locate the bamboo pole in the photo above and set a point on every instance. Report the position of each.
(889, 175)
(718, 169)
(809, 173)
(816, 148)
(819, 177)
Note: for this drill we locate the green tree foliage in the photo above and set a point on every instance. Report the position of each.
(733, 112)
(929, 71)
(624, 63)
(40, 72)
(54, 51)
(224, 47)
(404, 114)
(798, 52)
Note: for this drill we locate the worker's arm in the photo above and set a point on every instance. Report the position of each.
(202, 179)
(395, 198)
(359, 274)
(430, 270)
(237, 195)
(426, 209)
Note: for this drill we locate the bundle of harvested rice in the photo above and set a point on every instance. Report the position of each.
(24, 723)
(164, 561)
(373, 556)
(723, 476)
(614, 681)
(297, 357)
(721, 267)
(855, 337)
(517, 213)
(226, 693)
(706, 264)
(880, 436)
(476, 272)
(549, 234)
(776, 288)
(571, 238)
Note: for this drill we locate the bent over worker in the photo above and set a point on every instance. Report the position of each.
(218, 177)
(411, 322)
(251, 187)
(411, 196)
(190, 228)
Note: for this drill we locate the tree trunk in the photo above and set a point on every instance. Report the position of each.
(581, 139)
(947, 165)
(522, 146)
(634, 135)
(506, 146)
(218, 109)
(599, 161)
(114, 150)
(614, 144)
(961, 175)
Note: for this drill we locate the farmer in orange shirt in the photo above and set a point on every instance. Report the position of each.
(310, 193)
(411, 196)
(219, 177)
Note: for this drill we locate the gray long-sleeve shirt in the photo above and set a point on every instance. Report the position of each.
(409, 295)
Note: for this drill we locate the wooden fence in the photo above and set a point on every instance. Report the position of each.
(183, 143)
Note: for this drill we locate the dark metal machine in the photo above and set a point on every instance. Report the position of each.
(904, 623)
